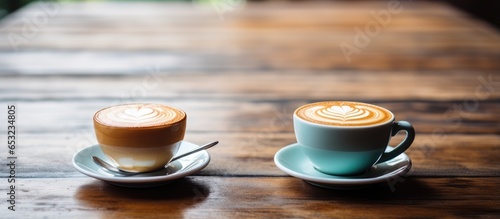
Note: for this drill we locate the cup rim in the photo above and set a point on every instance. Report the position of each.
(391, 120)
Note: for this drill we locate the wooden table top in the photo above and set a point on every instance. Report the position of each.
(239, 73)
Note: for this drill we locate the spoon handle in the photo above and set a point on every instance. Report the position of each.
(207, 146)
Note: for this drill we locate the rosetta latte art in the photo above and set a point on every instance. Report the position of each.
(139, 115)
(344, 113)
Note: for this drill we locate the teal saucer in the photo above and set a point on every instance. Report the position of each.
(292, 161)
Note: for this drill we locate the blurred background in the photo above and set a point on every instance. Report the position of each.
(483, 9)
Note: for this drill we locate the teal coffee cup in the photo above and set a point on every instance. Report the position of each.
(347, 138)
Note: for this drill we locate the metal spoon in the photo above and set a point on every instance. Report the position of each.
(115, 169)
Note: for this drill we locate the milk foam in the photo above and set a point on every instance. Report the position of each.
(344, 113)
(139, 115)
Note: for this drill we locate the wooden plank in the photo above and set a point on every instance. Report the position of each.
(292, 61)
(268, 51)
(157, 81)
(244, 115)
(43, 155)
(187, 10)
(340, 21)
(278, 197)
(230, 40)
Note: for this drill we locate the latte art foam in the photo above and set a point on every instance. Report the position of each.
(342, 113)
(139, 115)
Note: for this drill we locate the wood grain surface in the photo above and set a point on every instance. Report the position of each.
(239, 76)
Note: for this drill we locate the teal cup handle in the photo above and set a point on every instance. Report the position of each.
(405, 144)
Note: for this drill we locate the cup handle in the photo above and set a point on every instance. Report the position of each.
(405, 144)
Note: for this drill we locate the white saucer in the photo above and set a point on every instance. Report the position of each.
(185, 166)
(291, 160)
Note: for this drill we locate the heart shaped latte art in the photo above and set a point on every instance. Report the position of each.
(139, 115)
(344, 113)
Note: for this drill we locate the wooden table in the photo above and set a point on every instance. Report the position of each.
(239, 74)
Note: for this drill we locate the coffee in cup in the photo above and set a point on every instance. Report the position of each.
(140, 137)
(347, 138)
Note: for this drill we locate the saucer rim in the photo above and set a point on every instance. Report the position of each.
(340, 180)
(117, 180)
